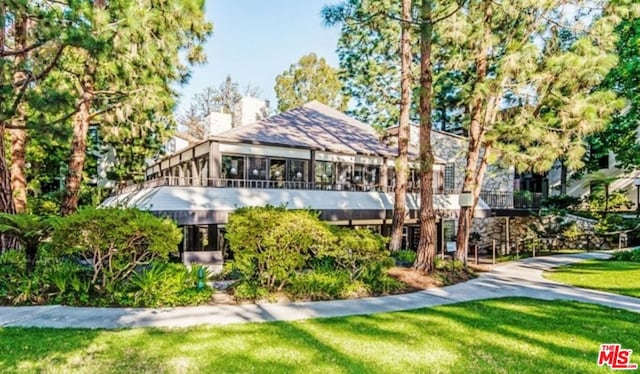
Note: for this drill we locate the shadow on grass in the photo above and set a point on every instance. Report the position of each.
(500, 335)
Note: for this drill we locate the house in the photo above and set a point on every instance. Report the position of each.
(311, 157)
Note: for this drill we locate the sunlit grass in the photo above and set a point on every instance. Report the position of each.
(512, 335)
(620, 277)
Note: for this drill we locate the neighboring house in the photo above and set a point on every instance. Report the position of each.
(311, 157)
(581, 187)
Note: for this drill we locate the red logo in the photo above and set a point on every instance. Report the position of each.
(616, 357)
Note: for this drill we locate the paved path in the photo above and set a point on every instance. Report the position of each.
(522, 278)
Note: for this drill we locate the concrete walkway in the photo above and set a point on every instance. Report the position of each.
(522, 278)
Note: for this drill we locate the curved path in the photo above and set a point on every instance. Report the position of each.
(522, 278)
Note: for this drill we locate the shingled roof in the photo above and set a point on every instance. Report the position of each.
(313, 126)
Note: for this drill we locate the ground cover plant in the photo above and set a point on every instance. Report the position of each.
(620, 274)
(512, 335)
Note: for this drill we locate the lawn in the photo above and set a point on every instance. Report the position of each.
(620, 277)
(513, 335)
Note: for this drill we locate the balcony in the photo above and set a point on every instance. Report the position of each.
(494, 199)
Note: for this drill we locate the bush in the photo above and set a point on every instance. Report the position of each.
(359, 251)
(114, 242)
(633, 256)
(270, 244)
(404, 257)
(319, 285)
(165, 284)
(248, 290)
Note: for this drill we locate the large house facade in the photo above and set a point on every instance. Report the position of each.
(312, 157)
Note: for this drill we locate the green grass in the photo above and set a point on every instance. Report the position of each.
(513, 335)
(620, 277)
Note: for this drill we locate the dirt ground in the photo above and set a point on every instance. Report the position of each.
(416, 280)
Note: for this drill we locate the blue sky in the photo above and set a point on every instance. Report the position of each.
(255, 40)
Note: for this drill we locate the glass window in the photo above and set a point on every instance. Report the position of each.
(344, 172)
(232, 167)
(277, 170)
(324, 172)
(450, 176)
(297, 170)
(372, 175)
(257, 168)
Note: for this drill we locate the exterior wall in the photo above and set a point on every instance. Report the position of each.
(580, 187)
(453, 149)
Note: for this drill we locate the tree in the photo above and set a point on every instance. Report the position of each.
(369, 58)
(33, 37)
(427, 245)
(310, 79)
(30, 230)
(224, 99)
(400, 195)
(123, 75)
(516, 60)
(620, 135)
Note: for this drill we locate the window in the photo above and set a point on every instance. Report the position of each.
(324, 172)
(277, 170)
(232, 167)
(449, 176)
(297, 170)
(257, 168)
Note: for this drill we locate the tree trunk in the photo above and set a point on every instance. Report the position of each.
(17, 130)
(399, 209)
(78, 144)
(6, 202)
(427, 245)
(476, 133)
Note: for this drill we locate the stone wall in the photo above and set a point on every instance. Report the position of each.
(548, 232)
(453, 149)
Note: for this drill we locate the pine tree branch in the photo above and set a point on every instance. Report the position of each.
(53, 63)
(22, 51)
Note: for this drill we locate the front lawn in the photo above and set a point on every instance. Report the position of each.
(622, 277)
(512, 335)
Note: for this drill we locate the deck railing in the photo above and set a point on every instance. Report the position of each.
(494, 199)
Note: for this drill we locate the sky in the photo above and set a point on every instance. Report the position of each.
(253, 41)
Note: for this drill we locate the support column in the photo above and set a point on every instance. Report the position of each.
(384, 175)
(312, 167)
(195, 174)
(214, 162)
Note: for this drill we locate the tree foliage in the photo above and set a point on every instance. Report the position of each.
(621, 134)
(310, 79)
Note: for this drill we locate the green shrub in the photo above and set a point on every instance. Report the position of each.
(404, 257)
(633, 256)
(115, 242)
(270, 244)
(319, 285)
(359, 251)
(166, 284)
(248, 290)
(446, 265)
